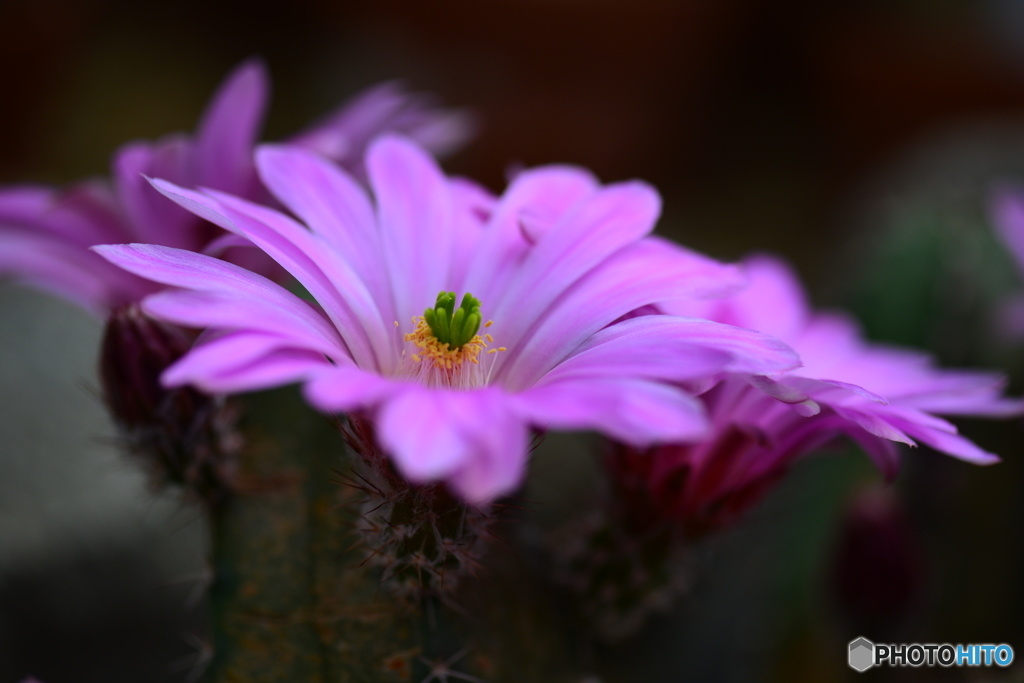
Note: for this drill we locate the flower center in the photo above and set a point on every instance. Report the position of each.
(448, 346)
(451, 326)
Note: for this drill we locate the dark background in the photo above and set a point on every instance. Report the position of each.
(857, 139)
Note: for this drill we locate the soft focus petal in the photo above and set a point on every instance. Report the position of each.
(421, 434)
(344, 135)
(154, 219)
(1007, 210)
(51, 264)
(499, 439)
(773, 302)
(83, 215)
(468, 437)
(229, 129)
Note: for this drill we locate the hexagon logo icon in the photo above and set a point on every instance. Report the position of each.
(862, 654)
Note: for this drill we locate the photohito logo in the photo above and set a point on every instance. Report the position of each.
(863, 654)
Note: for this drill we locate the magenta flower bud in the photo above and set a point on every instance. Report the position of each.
(185, 437)
(878, 573)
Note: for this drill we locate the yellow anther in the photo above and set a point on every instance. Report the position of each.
(488, 323)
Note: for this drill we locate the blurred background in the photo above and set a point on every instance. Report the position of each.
(860, 140)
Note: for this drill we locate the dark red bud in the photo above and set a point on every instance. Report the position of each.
(185, 437)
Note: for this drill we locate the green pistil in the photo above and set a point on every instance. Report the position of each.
(454, 326)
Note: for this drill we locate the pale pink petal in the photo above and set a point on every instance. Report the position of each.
(472, 208)
(422, 433)
(344, 135)
(874, 423)
(498, 437)
(774, 302)
(547, 192)
(83, 215)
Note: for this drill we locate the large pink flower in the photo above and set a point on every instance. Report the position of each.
(45, 232)
(560, 264)
(876, 395)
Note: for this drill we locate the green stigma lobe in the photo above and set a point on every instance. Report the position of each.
(450, 325)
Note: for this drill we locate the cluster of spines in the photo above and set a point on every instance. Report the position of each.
(423, 540)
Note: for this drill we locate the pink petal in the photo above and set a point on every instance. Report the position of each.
(414, 209)
(82, 215)
(343, 135)
(421, 432)
(547, 192)
(154, 219)
(224, 355)
(278, 368)
(51, 264)
(233, 296)
(229, 128)
(320, 270)
(469, 438)
(676, 349)
(951, 444)
(597, 227)
(874, 423)
(1007, 210)
(295, 320)
(774, 302)
(340, 389)
(647, 272)
(633, 411)
(333, 205)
